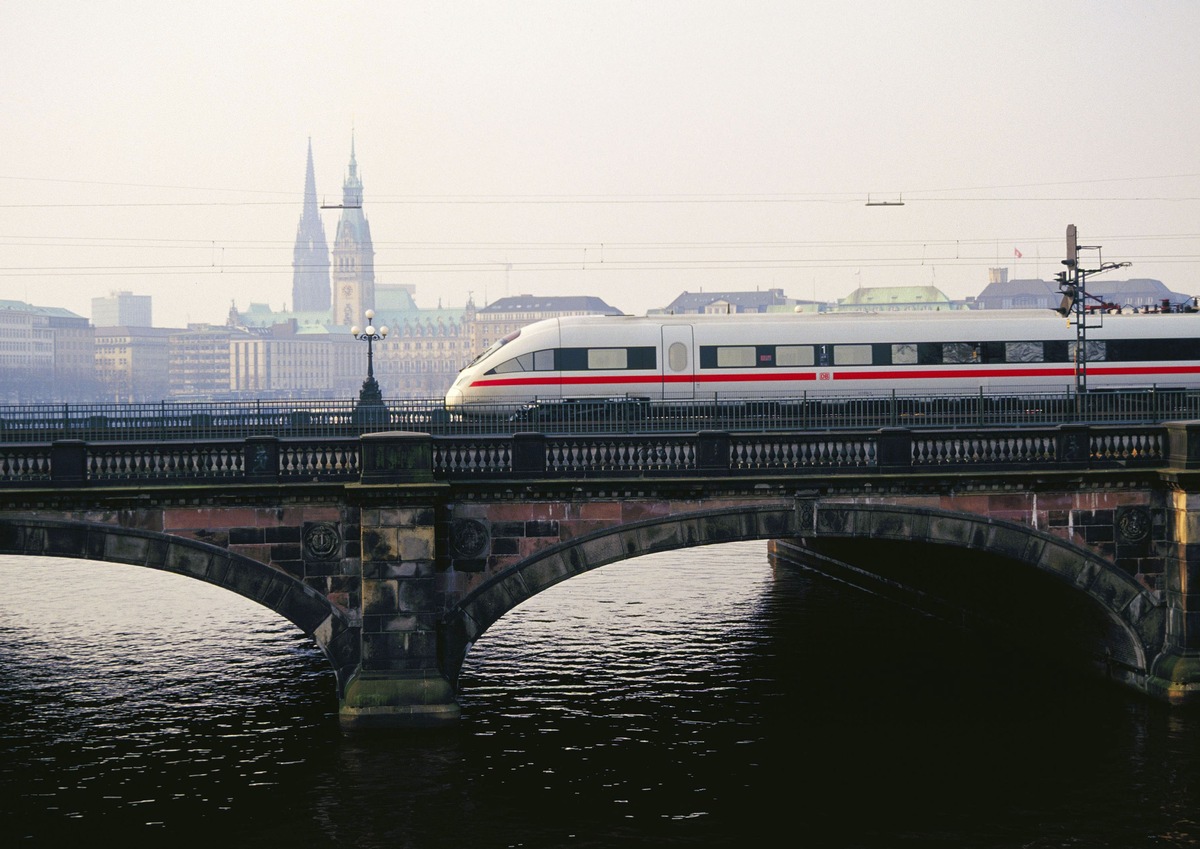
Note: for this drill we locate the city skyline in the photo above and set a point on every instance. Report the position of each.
(625, 150)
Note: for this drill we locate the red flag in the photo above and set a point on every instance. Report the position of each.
(1016, 253)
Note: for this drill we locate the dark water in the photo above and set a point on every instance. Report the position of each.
(699, 698)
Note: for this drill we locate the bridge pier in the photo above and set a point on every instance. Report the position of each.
(399, 682)
(1175, 675)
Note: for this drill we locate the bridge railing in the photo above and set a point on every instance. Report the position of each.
(814, 411)
(398, 457)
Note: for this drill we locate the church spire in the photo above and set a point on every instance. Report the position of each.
(352, 188)
(310, 258)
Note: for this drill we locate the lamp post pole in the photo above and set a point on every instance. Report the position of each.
(370, 395)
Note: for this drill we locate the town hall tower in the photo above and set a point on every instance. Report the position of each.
(353, 255)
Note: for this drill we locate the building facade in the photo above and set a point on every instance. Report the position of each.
(201, 362)
(122, 309)
(722, 303)
(895, 298)
(46, 354)
(133, 363)
(1140, 294)
(285, 362)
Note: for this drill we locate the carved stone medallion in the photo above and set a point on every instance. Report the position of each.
(1133, 523)
(468, 538)
(321, 540)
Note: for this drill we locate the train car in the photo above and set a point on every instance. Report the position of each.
(702, 357)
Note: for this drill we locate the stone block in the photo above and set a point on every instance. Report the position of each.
(601, 550)
(380, 597)
(380, 544)
(246, 536)
(288, 551)
(1062, 561)
(417, 543)
(504, 545)
(507, 529)
(416, 595)
(1007, 542)
(125, 549)
(541, 528)
(188, 561)
(545, 573)
(67, 542)
(279, 534)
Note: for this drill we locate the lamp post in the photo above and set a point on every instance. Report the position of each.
(370, 395)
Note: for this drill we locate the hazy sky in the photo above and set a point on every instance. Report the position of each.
(631, 150)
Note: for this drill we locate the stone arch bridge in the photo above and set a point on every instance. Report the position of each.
(396, 551)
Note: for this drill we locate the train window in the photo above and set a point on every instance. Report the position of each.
(960, 352)
(677, 356)
(764, 356)
(643, 357)
(607, 358)
(496, 346)
(582, 359)
(543, 360)
(852, 355)
(740, 357)
(1144, 350)
(1055, 351)
(904, 354)
(794, 355)
(1096, 351)
(992, 352)
(525, 362)
(929, 353)
(1023, 352)
(572, 359)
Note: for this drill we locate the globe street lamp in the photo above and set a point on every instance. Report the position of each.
(370, 394)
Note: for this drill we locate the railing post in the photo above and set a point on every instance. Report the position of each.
(712, 451)
(262, 459)
(397, 457)
(529, 454)
(1183, 444)
(893, 449)
(1073, 445)
(68, 461)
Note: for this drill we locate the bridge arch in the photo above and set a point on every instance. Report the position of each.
(1137, 618)
(292, 599)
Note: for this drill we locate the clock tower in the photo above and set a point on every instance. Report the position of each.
(353, 272)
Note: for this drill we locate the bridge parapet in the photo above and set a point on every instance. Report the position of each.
(414, 457)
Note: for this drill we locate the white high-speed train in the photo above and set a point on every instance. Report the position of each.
(792, 355)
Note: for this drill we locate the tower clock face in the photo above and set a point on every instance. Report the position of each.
(347, 290)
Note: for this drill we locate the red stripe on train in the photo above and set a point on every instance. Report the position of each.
(839, 373)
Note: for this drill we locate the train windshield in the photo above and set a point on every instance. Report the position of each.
(494, 347)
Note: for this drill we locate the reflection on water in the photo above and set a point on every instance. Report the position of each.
(696, 698)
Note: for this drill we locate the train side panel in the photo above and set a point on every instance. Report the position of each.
(792, 356)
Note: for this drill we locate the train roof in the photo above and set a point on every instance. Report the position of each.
(887, 316)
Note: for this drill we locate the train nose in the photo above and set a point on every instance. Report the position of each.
(454, 396)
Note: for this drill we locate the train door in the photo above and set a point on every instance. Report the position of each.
(679, 366)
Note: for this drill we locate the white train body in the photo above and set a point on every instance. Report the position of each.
(794, 355)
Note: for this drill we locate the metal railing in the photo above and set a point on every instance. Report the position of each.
(811, 412)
